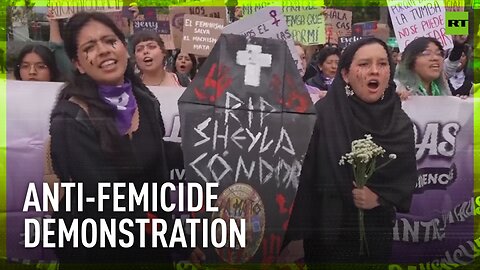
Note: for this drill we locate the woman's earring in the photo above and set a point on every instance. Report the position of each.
(383, 96)
(348, 90)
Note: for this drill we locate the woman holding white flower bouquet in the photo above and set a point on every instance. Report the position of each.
(339, 217)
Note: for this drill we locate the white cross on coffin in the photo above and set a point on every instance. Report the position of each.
(253, 59)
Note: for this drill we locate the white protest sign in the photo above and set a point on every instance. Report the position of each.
(419, 18)
(268, 22)
(305, 19)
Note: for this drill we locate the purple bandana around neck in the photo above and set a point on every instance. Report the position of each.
(328, 80)
(122, 100)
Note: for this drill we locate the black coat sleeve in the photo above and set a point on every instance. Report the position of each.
(76, 154)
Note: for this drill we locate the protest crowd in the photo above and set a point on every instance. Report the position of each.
(173, 67)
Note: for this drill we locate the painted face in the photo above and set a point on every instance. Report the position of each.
(303, 59)
(101, 54)
(329, 67)
(369, 72)
(32, 68)
(149, 56)
(429, 63)
(183, 64)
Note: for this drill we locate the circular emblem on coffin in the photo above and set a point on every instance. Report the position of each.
(241, 201)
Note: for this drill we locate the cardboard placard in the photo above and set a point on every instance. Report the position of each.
(200, 34)
(60, 11)
(340, 21)
(176, 19)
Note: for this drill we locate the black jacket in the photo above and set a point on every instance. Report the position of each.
(77, 157)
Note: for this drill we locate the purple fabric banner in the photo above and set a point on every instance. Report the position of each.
(440, 222)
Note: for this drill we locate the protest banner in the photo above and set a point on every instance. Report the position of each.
(176, 19)
(267, 23)
(161, 27)
(60, 11)
(200, 34)
(439, 227)
(419, 18)
(240, 118)
(340, 21)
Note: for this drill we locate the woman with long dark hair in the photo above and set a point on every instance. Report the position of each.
(362, 101)
(106, 127)
(185, 63)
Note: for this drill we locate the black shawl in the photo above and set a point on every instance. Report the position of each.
(324, 208)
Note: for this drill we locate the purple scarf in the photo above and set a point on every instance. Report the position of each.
(122, 100)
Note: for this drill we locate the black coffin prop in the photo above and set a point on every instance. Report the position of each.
(246, 122)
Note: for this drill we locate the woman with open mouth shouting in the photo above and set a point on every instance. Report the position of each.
(150, 52)
(106, 126)
(185, 64)
(424, 71)
(361, 100)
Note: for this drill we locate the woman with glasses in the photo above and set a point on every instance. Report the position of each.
(150, 56)
(424, 71)
(36, 63)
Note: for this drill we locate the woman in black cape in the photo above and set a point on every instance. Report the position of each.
(325, 214)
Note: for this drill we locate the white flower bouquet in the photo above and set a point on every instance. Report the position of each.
(363, 159)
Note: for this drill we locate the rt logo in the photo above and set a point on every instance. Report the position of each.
(456, 23)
